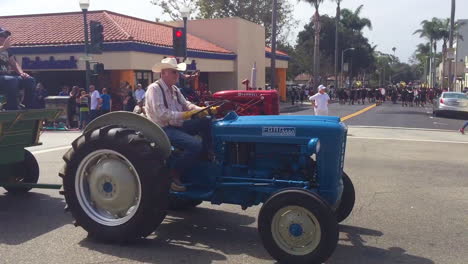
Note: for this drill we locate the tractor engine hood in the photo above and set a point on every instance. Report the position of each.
(279, 129)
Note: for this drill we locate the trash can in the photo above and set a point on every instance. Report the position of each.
(57, 102)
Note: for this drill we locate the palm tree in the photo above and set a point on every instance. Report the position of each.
(337, 28)
(431, 30)
(316, 18)
(353, 20)
(422, 54)
(445, 35)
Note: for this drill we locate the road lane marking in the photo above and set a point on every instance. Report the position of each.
(413, 140)
(50, 150)
(358, 112)
(404, 128)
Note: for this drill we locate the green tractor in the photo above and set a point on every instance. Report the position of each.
(18, 130)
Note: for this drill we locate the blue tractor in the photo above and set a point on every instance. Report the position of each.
(116, 185)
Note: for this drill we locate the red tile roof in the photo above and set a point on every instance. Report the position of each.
(67, 28)
(268, 49)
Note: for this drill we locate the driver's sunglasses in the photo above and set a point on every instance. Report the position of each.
(173, 71)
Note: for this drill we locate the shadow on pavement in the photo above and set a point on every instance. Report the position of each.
(403, 113)
(358, 252)
(26, 216)
(458, 116)
(192, 236)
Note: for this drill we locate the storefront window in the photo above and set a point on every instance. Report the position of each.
(143, 77)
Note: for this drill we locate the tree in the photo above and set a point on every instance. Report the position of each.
(431, 30)
(361, 58)
(337, 29)
(354, 21)
(258, 12)
(172, 7)
(317, 28)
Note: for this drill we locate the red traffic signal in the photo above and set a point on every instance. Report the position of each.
(179, 42)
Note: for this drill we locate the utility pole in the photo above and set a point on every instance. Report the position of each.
(452, 29)
(273, 47)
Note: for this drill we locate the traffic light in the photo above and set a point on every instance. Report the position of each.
(97, 37)
(98, 68)
(179, 42)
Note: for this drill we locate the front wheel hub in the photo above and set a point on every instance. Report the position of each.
(296, 230)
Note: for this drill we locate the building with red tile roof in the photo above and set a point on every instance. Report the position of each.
(50, 47)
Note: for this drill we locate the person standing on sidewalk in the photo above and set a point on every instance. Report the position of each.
(95, 103)
(320, 101)
(139, 93)
(106, 102)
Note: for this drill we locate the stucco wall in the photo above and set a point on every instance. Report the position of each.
(244, 38)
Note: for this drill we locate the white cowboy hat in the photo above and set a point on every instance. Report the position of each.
(321, 87)
(169, 63)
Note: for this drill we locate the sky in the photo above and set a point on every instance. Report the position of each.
(394, 21)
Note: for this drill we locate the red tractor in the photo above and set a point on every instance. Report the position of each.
(249, 102)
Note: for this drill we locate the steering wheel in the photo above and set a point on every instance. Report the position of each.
(218, 103)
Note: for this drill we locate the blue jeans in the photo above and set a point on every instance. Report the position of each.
(465, 125)
(93, 114)
(183, 138)
(28, 85)
(9, 84)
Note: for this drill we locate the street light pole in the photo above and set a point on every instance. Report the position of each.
(337, 22)
(342, 62)
(452, 29)
(273, 46)
(84, 5)
(185, 13)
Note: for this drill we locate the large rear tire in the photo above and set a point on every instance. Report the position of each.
(297, 226)
(28, 171)
(115, 184)
(348, 199)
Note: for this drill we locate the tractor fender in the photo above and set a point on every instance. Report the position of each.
(149, 129)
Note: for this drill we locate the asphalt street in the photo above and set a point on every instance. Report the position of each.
(387, 115)
(411, 188)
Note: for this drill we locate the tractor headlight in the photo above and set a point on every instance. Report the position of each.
(314, 146)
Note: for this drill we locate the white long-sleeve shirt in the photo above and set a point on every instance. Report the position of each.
(157, 111)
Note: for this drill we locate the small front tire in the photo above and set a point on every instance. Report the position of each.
(29, 173)
(297, 226)
(348, 199)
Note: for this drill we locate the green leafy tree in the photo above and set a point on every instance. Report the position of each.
(352, 19)
(432, 31)
(172, 7)
(361, 59)
(259, 12)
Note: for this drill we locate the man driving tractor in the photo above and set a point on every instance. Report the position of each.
(166, 106)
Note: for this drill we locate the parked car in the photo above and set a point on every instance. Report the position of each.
(451, 102)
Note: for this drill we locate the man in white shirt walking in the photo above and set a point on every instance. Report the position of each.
(95, 103)
(320, 101)
(166, 106)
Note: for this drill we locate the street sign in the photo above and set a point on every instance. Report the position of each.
(85, 58)
(345, 67)
(451, 54)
